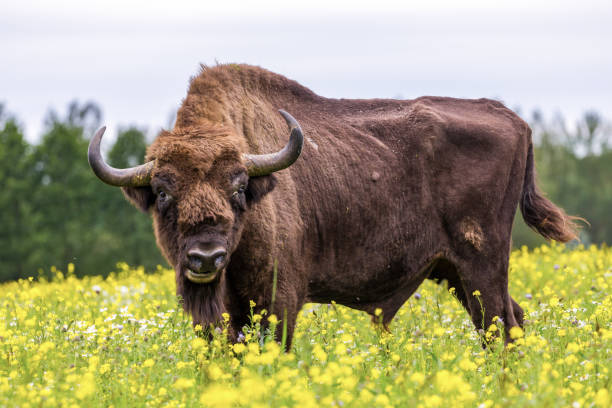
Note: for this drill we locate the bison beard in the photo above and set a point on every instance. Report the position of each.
(386, 193)
(203, 302)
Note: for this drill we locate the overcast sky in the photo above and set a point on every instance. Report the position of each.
(135, 58)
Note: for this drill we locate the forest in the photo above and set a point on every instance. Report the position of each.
(54, 211)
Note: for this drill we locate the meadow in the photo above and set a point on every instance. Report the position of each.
(123, 341)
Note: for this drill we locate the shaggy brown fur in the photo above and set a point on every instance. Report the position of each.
(386, 194)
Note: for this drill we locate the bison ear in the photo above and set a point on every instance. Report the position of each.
(141, 197)
(258, 187)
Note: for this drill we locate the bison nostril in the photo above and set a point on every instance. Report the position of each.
(219, 261)
(195, 263)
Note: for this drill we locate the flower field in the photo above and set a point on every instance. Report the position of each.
(124, 342)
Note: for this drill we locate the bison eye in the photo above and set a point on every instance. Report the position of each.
(163, 200)
(239, 192)
(238, 198)
(163, 196)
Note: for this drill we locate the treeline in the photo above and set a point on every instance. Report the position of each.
(54, 211)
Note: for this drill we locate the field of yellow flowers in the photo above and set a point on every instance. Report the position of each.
(123, 342)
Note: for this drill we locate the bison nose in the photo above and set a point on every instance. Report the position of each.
(206, 261)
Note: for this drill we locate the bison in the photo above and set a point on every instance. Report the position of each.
(381, 195)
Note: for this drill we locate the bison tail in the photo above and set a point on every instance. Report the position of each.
(541, 214)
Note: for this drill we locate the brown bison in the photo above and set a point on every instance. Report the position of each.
(386, 193)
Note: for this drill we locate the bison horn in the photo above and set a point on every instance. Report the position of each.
(264, 164)
(138, 176)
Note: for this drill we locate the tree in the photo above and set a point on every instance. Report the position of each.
(64, 198)
(16, 210)
(80, 219)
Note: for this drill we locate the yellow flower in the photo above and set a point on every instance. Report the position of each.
(319, 353)
(476, 293)
(46, 346)
(467, 365)
(433, 401)
(340, 349)
(148, 363)
(253, 348)
(516, 332)
(381, 399)
(214, 372)
(572, 347)
(87, 386)
(365, 396)
(239, 348)
(220, 396)
(198, 343)
(418, 378)
(183, 383)
(439, 331)
(602, 398)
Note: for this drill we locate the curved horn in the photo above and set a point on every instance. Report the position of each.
(133, 177)
(264, 164)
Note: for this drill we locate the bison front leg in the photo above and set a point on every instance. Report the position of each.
(284, 322)
(285, 307)
(285, 327)
(284, 303)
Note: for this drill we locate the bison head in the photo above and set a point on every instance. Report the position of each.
(199, 184)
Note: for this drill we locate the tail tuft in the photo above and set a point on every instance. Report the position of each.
(541, 214)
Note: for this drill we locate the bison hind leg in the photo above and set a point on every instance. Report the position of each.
(518, 312)
(482, 307)
(485, 284)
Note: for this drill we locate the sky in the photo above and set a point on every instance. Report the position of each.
(135, 58)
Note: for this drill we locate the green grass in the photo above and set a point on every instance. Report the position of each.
(124, 342)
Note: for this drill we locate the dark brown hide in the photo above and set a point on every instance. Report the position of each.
(386, 194)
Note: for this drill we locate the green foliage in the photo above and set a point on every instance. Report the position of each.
(54, 209)
(15, 209)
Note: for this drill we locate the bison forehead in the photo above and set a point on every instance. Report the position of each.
(202, 202)
(196, 148)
